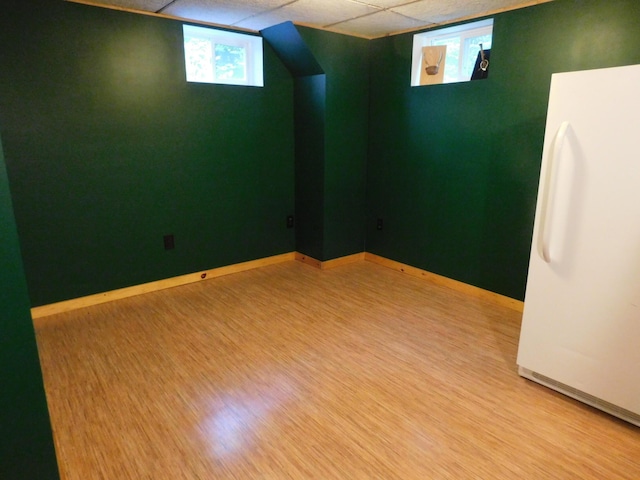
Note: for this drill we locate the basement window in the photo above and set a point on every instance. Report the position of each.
(453, 54)
(219, 56)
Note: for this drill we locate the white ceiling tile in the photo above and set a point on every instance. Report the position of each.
(142, 5)
(369, 18)
(320, 13)
(326, 12)
(384, 3)
(442, 11)
(258, 4)
(226, 12)
(378, 24)
(262, 21)
(221, 13)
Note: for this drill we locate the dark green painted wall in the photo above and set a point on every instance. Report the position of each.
(345, 61)
(453, 169)
(331, 117)
(108, 149)
(26, 449)
(310, 120)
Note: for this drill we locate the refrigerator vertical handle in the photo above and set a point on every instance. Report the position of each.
(548, 194)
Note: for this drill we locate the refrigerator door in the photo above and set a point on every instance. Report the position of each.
(581, 323)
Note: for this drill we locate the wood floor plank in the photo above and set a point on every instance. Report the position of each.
(289, 372)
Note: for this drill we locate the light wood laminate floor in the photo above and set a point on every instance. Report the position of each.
(288, 372)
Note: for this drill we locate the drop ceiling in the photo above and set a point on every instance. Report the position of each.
(362, 18)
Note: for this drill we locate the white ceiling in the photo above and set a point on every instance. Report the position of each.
(362, 18)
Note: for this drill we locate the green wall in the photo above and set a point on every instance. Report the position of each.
(345, 61)
(331, 125)
(453, 169)
(310, 120)
(108, 149)
(26, 449)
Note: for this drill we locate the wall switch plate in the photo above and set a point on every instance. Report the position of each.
(379, 224)
(290, 221)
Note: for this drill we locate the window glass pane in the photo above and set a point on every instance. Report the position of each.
(198, 59)
(471, 49)
(462, 42)
(452, 62)
(220, 56)
(231, 63)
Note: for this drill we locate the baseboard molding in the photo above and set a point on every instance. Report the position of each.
(470, 290)
(329, 264)
(307, 260)
(98, 298)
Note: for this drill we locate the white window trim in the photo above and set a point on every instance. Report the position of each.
(251, 43)
(425, 39)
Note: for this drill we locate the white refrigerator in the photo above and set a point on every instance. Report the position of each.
(581, 323)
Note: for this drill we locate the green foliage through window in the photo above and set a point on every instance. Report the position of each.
(220, 56)
(198, 58)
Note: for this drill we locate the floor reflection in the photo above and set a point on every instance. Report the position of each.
(236, 417)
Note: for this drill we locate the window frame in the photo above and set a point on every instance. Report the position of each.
(252, 44)
(426, 39)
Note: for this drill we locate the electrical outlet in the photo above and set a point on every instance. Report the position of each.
(169, 242)
(379, 224)
(290, 221)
